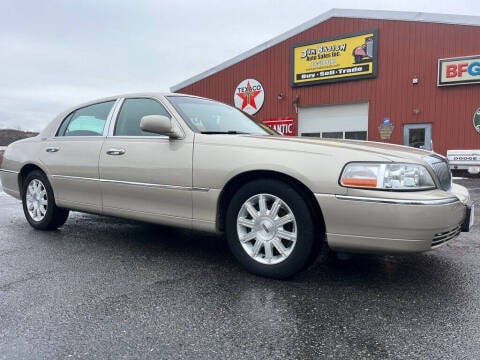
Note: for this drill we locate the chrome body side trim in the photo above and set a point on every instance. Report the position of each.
(160, 186)
(398, 201)
(196, 188)
(9, 171)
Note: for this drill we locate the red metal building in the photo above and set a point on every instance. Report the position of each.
(398, 77)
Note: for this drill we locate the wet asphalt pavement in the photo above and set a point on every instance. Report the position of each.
(113, 289)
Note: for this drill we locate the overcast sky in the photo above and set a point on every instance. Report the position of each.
(56, 54)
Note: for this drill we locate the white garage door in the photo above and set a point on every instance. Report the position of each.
(348, 121)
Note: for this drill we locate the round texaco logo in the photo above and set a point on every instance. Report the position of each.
(249, 96)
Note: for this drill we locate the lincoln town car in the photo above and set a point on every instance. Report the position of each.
(196, 163)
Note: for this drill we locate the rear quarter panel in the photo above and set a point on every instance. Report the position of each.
(16, 156)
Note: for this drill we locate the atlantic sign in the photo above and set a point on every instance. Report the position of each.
(285, 126)
(459, 71)
(347, 57)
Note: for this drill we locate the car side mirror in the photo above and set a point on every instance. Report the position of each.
(159, 124)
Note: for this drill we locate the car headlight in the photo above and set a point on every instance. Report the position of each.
(392, 176)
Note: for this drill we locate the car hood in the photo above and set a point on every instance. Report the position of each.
(371, 151)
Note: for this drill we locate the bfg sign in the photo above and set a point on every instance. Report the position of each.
(459, 71)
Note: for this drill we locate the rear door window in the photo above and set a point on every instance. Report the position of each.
(87, 121)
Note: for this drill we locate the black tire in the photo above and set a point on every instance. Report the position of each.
(306, 245)
(51, 216)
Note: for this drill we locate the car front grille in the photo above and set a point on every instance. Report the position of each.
(441, 169)
(443, 237)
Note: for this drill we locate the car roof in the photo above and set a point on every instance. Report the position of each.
(127, 95)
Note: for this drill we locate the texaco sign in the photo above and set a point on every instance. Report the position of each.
(249, 96)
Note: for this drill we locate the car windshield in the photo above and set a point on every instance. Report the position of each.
(212, 117)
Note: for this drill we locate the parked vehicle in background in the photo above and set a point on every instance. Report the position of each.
(193, 162)
(464, 160)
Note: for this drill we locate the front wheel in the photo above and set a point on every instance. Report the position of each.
(270, 229)
(39, 203)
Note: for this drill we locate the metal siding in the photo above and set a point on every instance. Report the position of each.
(405, 49)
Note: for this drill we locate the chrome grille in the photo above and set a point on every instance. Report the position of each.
(441, 170)
(443, 237)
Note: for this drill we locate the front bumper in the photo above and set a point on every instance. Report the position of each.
(389, 225)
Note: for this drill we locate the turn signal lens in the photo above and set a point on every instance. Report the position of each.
(393, 176)
(359, 182)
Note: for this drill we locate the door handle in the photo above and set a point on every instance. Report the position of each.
(115, 151)
(52, 149)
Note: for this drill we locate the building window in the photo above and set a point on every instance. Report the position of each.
(350, 135)
(332, 135)
(356, 135)
(317, 134)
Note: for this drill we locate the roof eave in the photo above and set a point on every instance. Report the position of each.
(345, 13)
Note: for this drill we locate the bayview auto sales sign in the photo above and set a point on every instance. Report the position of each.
(249, 96)
(342, 58)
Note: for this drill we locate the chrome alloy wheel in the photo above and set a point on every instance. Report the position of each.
(37, 200)
(267, 229)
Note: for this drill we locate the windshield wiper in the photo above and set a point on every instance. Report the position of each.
(224, 132)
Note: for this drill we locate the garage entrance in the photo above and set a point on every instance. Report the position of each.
(348, 121)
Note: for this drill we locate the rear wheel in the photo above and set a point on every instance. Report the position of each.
(270, 229)
(39, 203)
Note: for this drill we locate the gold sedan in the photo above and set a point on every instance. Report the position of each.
(197, 163)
